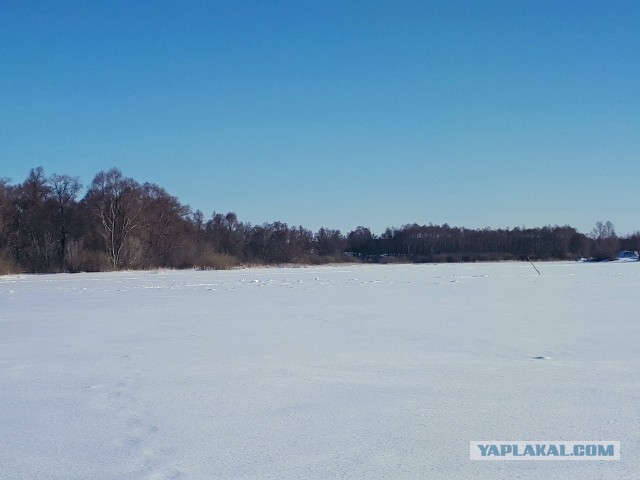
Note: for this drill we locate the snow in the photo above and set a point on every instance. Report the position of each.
(363, 372)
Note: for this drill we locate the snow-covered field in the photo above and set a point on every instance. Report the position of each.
(376, 372)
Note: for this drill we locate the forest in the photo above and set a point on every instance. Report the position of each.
(119, 223)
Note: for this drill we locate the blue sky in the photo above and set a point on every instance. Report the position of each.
(337, 114)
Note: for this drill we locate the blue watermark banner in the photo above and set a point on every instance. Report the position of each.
(497, 450)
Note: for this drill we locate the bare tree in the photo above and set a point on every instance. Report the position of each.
(361, 242)
(606, 241)
(603, 231)
(226, 233)
(165, 225)
(5, 209)
(64, 191)
(198, 222)
(31, 223)
(329, 243)
(115, 201)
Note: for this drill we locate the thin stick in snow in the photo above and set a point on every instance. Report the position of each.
(533, 266)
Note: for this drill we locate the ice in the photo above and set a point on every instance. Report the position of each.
(376, 372)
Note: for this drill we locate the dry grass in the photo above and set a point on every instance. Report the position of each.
(8, 266)
(218, 261)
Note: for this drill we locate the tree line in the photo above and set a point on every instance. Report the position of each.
(120, 223)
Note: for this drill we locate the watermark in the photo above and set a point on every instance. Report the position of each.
(496, 450)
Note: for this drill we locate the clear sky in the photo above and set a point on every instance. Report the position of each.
(336, 113)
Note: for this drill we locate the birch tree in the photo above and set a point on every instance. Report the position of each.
(115, 202)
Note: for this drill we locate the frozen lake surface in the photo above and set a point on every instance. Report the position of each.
(363, 372)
